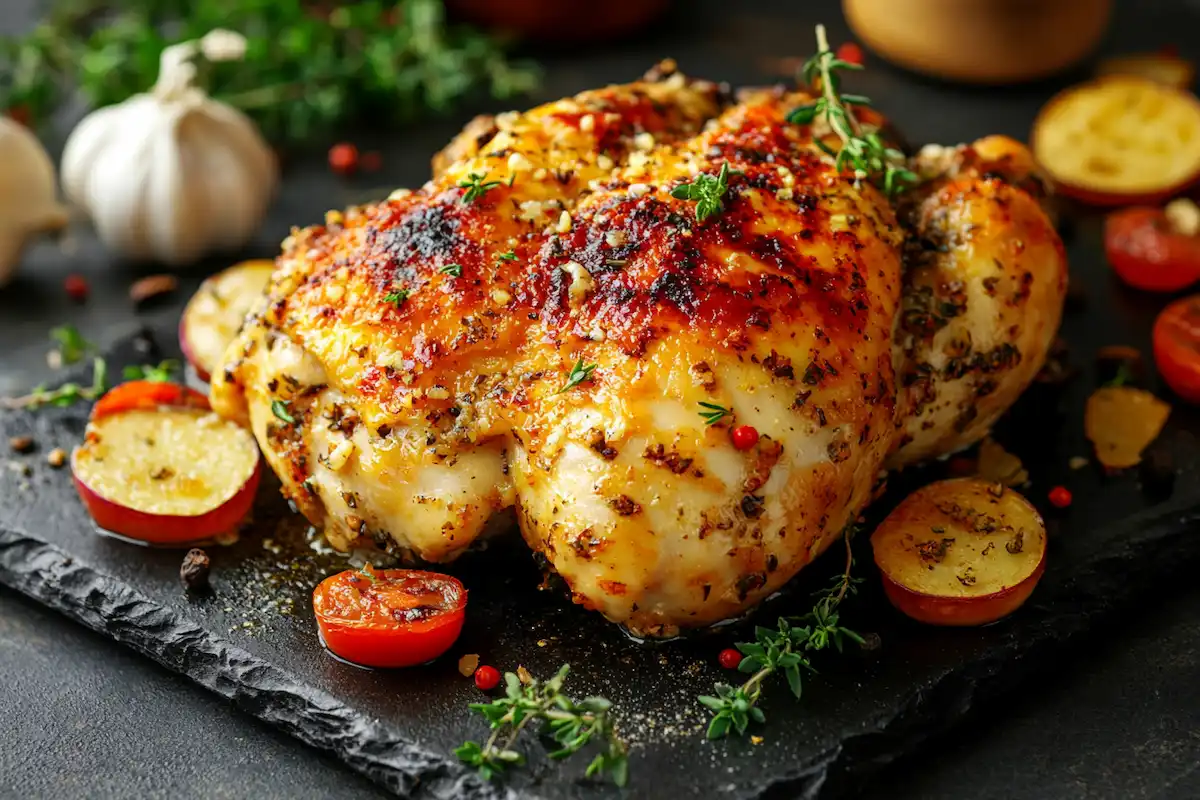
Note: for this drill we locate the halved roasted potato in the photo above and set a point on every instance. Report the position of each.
(960, 552)
(1120, 140)
(157, 465)
(215, 312)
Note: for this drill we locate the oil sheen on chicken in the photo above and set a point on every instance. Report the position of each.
(539, 325)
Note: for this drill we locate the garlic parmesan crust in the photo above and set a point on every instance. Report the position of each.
(419, 416)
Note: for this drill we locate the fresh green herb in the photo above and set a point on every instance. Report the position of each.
(453, 270)
(507, 256)
(397, 297)
(308, 67)
(161, 373)
(578, 374)
(280, 409)
(64, 395)
(72, 347)
(863, 149)
(477, 186)
(571, 724)
(714, 413)
(783, 649)
(706, 190)
(1123, 376)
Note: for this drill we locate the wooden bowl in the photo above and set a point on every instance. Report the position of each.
(980, 41)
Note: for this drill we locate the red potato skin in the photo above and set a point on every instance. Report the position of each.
(161, 529)
(965, 611)
(164, 529)
(189, 355)
(396, 644)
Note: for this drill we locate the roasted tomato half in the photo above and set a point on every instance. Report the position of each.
(389, 617)
(1177, 347)
(1150, 250)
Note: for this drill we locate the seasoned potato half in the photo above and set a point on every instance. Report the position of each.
(960, 552)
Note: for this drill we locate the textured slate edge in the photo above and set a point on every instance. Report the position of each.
(1147, 551)
(49, 575)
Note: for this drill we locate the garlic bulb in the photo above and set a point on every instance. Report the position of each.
(27, 194)
(172, 174)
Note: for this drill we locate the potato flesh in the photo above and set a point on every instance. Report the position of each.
(173, 462)
(960, 539)
(1121, 422)
(215, 313)
(1120, 134)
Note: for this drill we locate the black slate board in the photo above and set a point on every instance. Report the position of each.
(253, 639)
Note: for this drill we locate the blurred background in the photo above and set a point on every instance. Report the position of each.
(322, 104)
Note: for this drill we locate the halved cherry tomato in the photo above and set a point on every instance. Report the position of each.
(1177, 347)
(147, 395)
(1148, 253)
(389, 617)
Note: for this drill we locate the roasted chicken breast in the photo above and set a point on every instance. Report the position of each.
(540, 325)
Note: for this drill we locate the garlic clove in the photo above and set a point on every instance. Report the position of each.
(28, 202)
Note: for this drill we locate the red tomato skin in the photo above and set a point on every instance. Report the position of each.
(77, 288)
(487, 678)
(729, 658)
(394, 644)
(1146, 254)
(1177, 347)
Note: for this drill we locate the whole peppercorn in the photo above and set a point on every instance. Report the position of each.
(194, 570)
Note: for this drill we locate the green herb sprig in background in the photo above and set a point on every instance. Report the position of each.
(309, 67)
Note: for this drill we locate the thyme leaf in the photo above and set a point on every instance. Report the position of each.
(706, 191)
(280, 409)
(477, 186)
(713, 413)
(159, 373)
(578, 374)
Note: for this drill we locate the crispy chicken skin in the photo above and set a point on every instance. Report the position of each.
(561, 329)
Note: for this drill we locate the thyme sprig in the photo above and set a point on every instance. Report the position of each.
(162, 372)
(713, 413)
(72, 346)
(785, 649)
(65, 395)
(706, 191)
(397, 297)
(569, 723)
(578, 374)
(476, 186)
(863, 150)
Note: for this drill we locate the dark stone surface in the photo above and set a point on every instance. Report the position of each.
(727, 42)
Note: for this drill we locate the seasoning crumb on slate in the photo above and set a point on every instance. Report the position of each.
(870, 644)
(194, 570)
(756, 740)
(56, 457)
(467, 664)
(524, 675)
(150, 287)
(21, 444)
(1077, 462)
